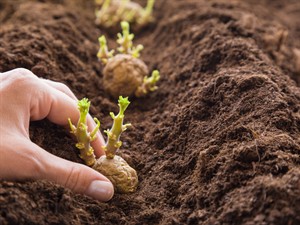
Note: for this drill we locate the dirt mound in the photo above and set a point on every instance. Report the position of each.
(217, 143)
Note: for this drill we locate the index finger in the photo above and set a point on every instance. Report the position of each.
(99, 141)
(58, 107)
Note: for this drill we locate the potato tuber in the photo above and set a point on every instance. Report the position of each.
(112, 12)
(125, 74)
(115, 168)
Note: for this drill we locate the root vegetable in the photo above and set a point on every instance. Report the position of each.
(116, 169)
(112, 12)
(125, 74)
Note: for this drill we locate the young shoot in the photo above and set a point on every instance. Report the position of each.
(135, 52)
(113, 135)
(114, 167)
(125, 41)
(105, 3)
(149, 84)
(146, 14)
(112, 12)
(103, 53)
(84, 138)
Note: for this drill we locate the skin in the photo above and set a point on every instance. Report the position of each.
(123, 74)
(123, 176)
(23, 98)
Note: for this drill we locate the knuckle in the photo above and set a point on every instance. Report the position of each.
(23, 73)
(76, 180)
(63, 87)
(23, 77)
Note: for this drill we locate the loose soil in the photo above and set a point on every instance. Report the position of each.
(217, 143)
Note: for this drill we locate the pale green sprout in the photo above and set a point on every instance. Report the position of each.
(113, 141)
(149, 84)
(104, 8)
(124, 73)
(104, 54)
(149, 8)
(125, 41)
(152, 80)
(84, 138)
(114, 167)
(136, 51)
(105, 5)
(114, 11)
(104, 14)
(146, 14)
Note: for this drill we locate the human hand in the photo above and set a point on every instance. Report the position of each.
(25, 97)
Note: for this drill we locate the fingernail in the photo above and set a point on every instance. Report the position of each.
(100, 190)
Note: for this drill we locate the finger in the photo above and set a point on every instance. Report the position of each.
(99, 141)
(29, 161)
(58, 107)
(77, 177)
(53, 104)
(60, 87)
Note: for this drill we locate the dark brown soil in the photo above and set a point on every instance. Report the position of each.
(217, 143)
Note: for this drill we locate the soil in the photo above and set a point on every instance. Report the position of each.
(217, 143)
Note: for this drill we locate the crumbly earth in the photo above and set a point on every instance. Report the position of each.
(217, 143)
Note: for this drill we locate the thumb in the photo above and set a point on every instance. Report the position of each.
(74, 176)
